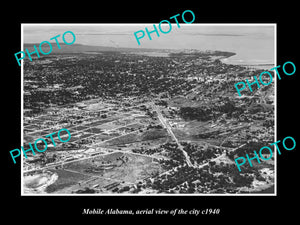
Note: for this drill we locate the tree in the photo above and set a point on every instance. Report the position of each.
(212, 163)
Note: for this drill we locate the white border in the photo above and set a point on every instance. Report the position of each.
(275, 108)
(22, 105)
(182, 195)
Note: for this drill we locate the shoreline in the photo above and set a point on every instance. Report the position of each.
(265, 66)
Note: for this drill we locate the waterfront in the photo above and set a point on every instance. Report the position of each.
(253, 44)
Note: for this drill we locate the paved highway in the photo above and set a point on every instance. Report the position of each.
(166, 125)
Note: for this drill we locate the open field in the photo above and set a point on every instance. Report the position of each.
(101, 171)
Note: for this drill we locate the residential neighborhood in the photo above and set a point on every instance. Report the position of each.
(145, 123)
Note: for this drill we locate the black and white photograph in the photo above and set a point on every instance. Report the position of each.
(133, 112)
(108, 112)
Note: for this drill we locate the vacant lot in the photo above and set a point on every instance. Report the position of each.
(135, 167)
(65, 179)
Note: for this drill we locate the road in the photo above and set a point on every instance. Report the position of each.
(166, 125)
(214, 159)
(62, 163)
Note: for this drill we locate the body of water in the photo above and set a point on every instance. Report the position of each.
(252, 43)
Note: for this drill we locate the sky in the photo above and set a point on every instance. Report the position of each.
(250, 42)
